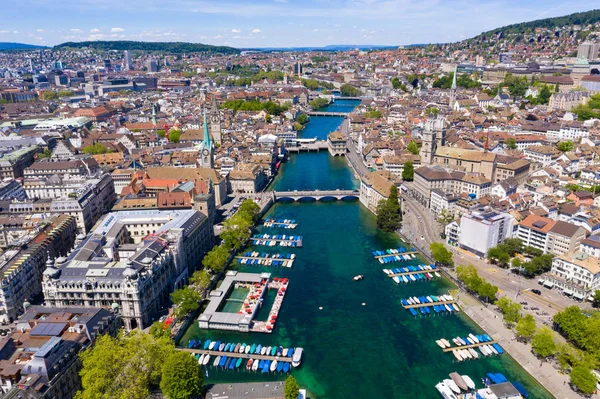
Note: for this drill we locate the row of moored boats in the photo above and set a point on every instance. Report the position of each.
(429, 304)
(249, 258)
(410, 274)
(281, 223)
(455, 385)
(461, 354)
(277, 239)
(393, 257)
(458, 386)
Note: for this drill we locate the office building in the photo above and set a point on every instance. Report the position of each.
(484, 229)
(152, 65)
(127, 60)
(132, 261)
(588, 50)
(550, 236)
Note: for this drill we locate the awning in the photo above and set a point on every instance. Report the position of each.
(567, 292)
(578, 295)
(548, 284)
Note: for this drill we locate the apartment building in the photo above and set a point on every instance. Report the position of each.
(550, 236)
(577, 274)
(484, 229)
(374, 188)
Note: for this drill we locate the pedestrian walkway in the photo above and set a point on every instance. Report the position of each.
(543, 372)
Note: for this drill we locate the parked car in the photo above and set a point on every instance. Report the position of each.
(535, 291)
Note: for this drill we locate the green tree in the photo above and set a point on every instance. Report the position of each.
(525, 327)
(302, 119)
(388, 211)
(186, 299)
(512, 246)
(161, 132)
(510, 144)
(125, 367)
(200, 279)
(49, 95)
(46, 154)
(158, 330)
(249, 211)
(174, 135)
(511, 310)
(583, 379)
(565, 146)
(181, 376)
(474, 283)
(516, 263)
(572, 324)
(95, 149)
(216, 259)
(543, 344)
(445, 217)
(499, 255)
(64, 93)
(408, 172)
(441, 254)
(318, 103)
(544, 95)
(596, 300)
(349, 91)
(291, 389)
(413, 148)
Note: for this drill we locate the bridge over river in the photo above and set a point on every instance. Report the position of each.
(315, 194)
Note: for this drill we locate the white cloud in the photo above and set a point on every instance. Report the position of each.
(95, 30)
(235, 31)
(256, 30)
(4, 31)
(15, 31)
(280, 1)
(76, 30)
(40, 30)
(117, 30)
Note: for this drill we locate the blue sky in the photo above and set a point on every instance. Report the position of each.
(268, 23)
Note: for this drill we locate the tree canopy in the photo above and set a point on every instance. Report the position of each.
(291, 390)
(565, 146)
(242, 105)
(583, 379)
(543, 344)
(168, 47)
(413, 148)
(408, 172)
(388, 211)
(186, 299)
(441, 254)
(511, 310)
(349, 91)
(525, 327)
(474, 283)
(95, 149)
(181, 376)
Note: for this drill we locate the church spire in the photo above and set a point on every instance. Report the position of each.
(206, 142)
(454, 78)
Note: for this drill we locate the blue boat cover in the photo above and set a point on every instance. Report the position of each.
(521, 389)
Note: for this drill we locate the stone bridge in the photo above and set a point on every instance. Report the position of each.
(315, 194)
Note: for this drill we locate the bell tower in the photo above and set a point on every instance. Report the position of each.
(206, 155)
(215, 122)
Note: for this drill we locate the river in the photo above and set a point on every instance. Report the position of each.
(362, 343)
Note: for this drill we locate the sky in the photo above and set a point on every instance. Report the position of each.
(269, 23)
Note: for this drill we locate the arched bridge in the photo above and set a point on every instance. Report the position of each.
(315, 194)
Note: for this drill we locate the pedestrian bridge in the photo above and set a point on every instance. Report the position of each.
(315, 194)
(324, 113)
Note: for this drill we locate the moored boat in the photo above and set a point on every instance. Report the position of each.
(236, 349)
(458, 380)
(279, 366)
(249, 364)
(238, 363)
(286, 367)
(206, 359)
(200, 360)
(452, 385)
(273, 366)
(217, 361)
(255, 364)
(297, 357)
(445, 391)
(440, 343)
(457, 355)
(445, 341)
(468, 381)
(211, 345)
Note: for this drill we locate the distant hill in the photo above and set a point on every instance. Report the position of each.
(579, 18)
(18, 46)
(169, 47)
(331, 47)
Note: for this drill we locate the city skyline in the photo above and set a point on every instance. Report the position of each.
(269, 23)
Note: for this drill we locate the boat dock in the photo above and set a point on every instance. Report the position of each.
(409, 273)
(280, 223)
(420, 305)
(233, 354)
(279, 284)
(263, 259)
(394, 255)
(281, 240)
(469, 346)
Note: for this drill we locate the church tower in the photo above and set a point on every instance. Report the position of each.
(215, 122)
(453, 89)
(206, 156)
(433, 137)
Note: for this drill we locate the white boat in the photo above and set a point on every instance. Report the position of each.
(217, 360)
(483, 351)
(247, 350)
(297, 357)
(212, 345)
(440, 344)
(462, 341)
(380, 260)
(474, 338)
(465, 353)
(445, 391)
(386, 271)
(437, 274)
(273, 365)
(405, 279)
(396, 279)
(448, 308)
(470, 341)
(468, 381)
(456, 341)
(284, 352)
(417, 299)
(473, 353)
(445, 341)
(493, 349)
(452, 385)
(255, 364)
(201, 359)
(206, 359)
(410, 301)
(455, 306)
(264, 350)
(359, 277)
(457, 355)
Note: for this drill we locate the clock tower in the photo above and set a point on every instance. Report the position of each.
(206, 156)
(215, 122)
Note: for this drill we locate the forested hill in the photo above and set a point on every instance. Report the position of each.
(580, 18)
(168, 47)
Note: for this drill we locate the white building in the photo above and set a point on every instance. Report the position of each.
(577, 274)
(483, 230)
(550, 236)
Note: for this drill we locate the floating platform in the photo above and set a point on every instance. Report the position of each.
(394, 255)
(431, 300)
(263, 259)
(233, 354)
(486, 345)
(280, 239)
(410, 274)
(281, 223)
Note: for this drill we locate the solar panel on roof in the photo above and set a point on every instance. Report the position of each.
(48, 346)
(48, 329)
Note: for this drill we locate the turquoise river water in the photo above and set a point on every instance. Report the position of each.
(362, 343)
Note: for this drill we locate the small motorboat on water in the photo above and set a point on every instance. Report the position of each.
(359, 277)
(273, 366)
(446, 343)
(458, 380)
(452, 385)
(468, 381)
(440, 343)
(445, 391)
(457, 355)
(217, 361)
(206, 359)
